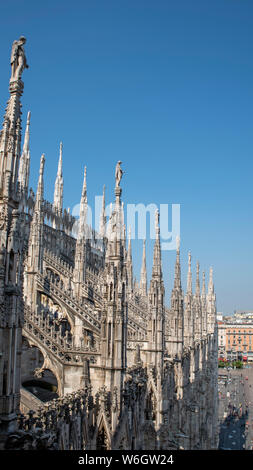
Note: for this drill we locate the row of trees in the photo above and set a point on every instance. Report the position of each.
(225, 363)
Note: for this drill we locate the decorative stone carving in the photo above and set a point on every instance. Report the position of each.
(18, 59)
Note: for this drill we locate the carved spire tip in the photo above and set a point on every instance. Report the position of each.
(178, 242)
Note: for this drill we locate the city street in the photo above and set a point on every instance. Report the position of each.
(236, 408)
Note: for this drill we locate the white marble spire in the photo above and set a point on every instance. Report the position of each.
(210, 284)
(102, 225)
(130, 262)
(177, 279)
(129, 250)
(203, 292)
(189, 275)
(143, 280)
(40, 187)
(83, 209)
(197, 287)
(58, 188)
(24, 165)
(157, 260)
(10, 136)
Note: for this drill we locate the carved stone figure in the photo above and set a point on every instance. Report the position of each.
(18, 59)
(118, 173)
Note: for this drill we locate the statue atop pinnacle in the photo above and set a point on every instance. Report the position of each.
(118, 174)
(18, 59)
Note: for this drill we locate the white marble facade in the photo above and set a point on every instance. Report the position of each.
(131, 373)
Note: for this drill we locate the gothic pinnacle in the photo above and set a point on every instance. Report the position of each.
(118, 176)
(177, 280)
(84, 188)
(42, 163)
(58, 190)
(10, 136)
(143, 280)
(59, 171)
(83, 208)
(27, 133)
(130, 262)
(203, 292)
(197, 288)
(157, 262)
(189, 275)
(24, 166)
(102, 227)
(210, 284)
(129, 251)
(40, 187)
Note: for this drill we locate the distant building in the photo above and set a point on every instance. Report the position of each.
(219, 316)
(244, 315)
(235, 337)
(221, 339)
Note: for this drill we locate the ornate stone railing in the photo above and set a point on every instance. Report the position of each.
(56, 262)
(83, 310)
(89, 285)
(136, 326)
(40, 331)
(92, 278)
(137, 314)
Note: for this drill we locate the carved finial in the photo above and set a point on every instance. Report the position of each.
(129, 251)
(84, 181)
(24, 165)
(143, 280)
(177, 279)
(203, 284)
(28, 118)
(82, 230)
(102, 226)
(58, 188)
(157, 217)
(189, 275)
(197, 289)
(178, 242)
(210, 284)
(157, 262)
(42, 163)
(40, 189)
(60, 161)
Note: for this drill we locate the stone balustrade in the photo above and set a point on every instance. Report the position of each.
(81, 308)
(44, 332)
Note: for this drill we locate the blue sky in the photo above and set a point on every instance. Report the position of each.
(164, 86)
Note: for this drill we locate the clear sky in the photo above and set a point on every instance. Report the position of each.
(166, 87)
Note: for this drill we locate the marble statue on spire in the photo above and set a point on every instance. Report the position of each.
(18, 59)
(118, 173)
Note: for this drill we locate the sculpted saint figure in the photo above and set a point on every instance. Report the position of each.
(18, 59)
(118, 174)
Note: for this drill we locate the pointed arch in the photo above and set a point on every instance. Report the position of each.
(102, 435)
